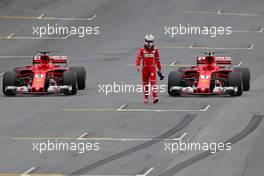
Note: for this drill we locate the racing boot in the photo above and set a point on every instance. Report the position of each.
(155, 100)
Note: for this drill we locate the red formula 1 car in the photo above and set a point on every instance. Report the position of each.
(48, 74)
(212, 75)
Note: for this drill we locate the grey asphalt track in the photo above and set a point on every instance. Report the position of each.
(106, 58)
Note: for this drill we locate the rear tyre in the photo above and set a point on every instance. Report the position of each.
(245, 77)
(174, 79)
(69, 79)
(80, 76)
(235, 80)
(9, 79)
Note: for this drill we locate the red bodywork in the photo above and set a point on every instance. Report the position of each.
(203, 75)
(38, 74)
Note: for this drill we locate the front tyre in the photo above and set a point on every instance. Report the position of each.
(9, 79)
(245, 77)
(80, 76)
(235, 80)
(69, 79)
(174, 79)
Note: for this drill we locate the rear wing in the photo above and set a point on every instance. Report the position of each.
(53, 59)
(219, 60)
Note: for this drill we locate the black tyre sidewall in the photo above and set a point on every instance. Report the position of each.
(245, 77)
(235, 80)
(69, 79)
(80, 76)
(174, 79)
(9, 79)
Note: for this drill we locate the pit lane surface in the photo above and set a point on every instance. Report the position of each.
(106, 57)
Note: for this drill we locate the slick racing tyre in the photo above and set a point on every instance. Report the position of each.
(9, 79)
(69, 79)
(174, 79)
(235, 80)
(245, 77)
(80, 76)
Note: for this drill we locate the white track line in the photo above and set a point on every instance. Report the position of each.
(28, 171)
(10, 36)
(122, 107)
(1, 74)
(70, 19)
(205, 109)
(34, 38)
(220, 12)
(146, 173)
(173, 63)
(261, 30)
(251, 47)
(41, 17)
(190, 47)
(167, 110)
(180, 138)
(239, 64)
(82, 136)
(248, 31)
(6, 57)
(201, 12)
(223, 48)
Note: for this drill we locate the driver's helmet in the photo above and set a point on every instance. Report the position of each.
(209, 60)
(149, 41)
(44, 57)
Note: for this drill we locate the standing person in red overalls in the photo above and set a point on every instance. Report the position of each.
(149, 55)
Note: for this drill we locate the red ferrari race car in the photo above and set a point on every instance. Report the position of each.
(48, 74)
(212, 75)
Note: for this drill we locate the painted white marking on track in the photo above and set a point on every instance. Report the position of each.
(190, 47)
(251, 47)
(122, 108)
(205, 109)
(6, 57)
(42, 15)
(82, 136)
(146, 173)
(239, 64)
(173, 63)
(260, 30)
(222, 48)
(28, 171)
(248, 31)
(10, 36)
(220, 12)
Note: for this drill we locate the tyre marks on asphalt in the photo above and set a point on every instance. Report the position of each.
(253, 124)
(181, 125)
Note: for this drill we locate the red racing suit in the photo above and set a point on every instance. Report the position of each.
(150, 60)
